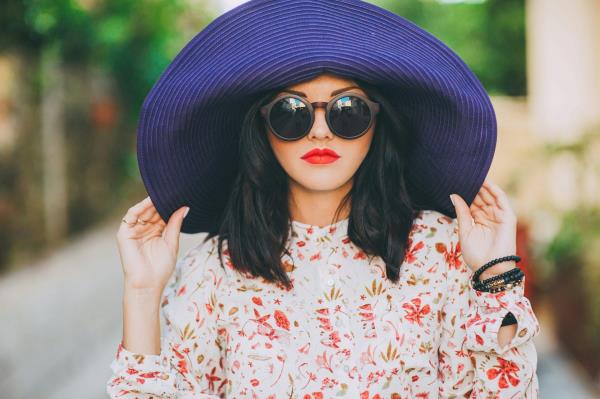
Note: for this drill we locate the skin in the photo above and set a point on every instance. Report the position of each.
(487, 230)
(316, 190)
(148, 249)
(148, 252)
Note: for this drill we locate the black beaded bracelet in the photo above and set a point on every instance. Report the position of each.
(507, 281)
(491, 263)
(499, 276)
(508, 319)
(512, 276)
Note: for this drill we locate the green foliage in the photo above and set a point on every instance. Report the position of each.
(488, 35)
(579, 229)
(133, 41)
(574, 251)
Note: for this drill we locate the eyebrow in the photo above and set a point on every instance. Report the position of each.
(333, 93)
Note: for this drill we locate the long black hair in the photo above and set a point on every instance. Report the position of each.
(256, 220)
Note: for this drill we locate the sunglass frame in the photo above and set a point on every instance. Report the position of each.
(265, 111)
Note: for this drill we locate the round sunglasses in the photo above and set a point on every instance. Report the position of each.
(348, 115)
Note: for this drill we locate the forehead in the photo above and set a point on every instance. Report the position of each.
(324, 85)
(333, 93)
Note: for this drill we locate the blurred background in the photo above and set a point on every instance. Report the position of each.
(73, 75)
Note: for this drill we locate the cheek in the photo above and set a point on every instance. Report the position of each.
(321, 177)
(357, 150)
(285, 152)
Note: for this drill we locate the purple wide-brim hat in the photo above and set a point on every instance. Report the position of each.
(190, 121)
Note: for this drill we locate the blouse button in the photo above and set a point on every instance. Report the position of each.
(330, 282)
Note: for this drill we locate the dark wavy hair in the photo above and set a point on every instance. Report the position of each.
(256, 220)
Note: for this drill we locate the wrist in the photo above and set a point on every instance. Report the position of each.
(142, 296)
(141, 321)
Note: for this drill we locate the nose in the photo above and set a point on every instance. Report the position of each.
(320, 129)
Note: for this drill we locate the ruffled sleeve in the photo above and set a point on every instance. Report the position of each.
(189, 365)
(471, 362)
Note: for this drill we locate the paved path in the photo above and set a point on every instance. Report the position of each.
(64, 320)
(559, 375)
(62, 323)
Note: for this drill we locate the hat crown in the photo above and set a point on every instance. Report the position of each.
(192, 116)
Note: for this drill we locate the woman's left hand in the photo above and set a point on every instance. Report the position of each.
(487, 229)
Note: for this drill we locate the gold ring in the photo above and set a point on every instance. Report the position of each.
(142, 221)
(129, 223)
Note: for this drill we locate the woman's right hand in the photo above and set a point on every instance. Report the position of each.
(148, 248)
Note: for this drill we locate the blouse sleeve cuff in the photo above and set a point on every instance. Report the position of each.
(142, 370)
(485, 318)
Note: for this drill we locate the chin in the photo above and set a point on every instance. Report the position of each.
(320, 183)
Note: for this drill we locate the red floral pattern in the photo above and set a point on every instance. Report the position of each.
(344, 330)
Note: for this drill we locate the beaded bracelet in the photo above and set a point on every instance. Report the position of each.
(501, 285)
(500, 282)
(497, 276)
(512, 276)
(491, 263)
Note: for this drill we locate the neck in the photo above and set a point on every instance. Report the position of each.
(317, 207)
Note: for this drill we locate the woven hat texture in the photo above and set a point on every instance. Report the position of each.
(190, 121)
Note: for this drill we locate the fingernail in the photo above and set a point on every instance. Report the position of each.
(452, 200)
(186, 211)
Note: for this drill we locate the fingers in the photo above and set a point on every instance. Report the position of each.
(480, 208)
(500, 196)
(487, 197)
(173, 228)
(491, 205)
(142, 218)
(147, 215)
(463, 214)
(136, 211)
(490, 200)
(157, 219)
(480, 216)
(478, 201)
(156, 229)
(153, 217)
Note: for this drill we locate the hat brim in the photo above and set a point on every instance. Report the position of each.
(190, 120)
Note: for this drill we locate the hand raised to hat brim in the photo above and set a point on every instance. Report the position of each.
(148, 247)
(487, 229)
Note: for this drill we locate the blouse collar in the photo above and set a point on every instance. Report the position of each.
(309, 232)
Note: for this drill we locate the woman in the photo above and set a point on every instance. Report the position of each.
(327, 272)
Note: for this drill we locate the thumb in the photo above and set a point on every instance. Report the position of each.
(171, 233)
(463, 214)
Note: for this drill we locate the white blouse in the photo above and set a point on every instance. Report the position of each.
(344, 330)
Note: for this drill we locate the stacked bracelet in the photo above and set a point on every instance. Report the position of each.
(491, 263)
(499, 276)
(499, 282)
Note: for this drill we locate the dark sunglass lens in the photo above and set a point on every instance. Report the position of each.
(349, 116)
(290, 118)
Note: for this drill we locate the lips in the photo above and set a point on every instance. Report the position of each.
(318, 155)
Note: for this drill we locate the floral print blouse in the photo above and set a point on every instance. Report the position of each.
(343, 331)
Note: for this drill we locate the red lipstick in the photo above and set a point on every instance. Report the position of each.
(320, 156)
